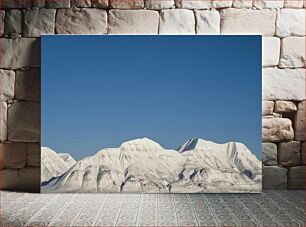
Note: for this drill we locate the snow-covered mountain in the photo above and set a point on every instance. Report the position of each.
(67, 158)
(142, 165)
(54, 164)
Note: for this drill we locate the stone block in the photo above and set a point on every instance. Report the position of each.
(285, 106)
(56, 4)
(242, 4)
(13, 21)
(2, 15)
(221, 3)
(27, 86)
(177, 21)
(296, 176)
(39, 3)
(208, 22)
(299, 122)
(15, 4)
(293, 52)
(25, 180)
(3, 121)
(289, 153)
(283, 84)
(7, 84)
(39, 22)
(274, 177)
(133, 21)
(277, 129)
(13, 155)
(270, 51)
(20, 53)
(80, 3)
(303, 157)
(269, 154)
(192, 4)
(159, 4)
(126, 4)
(99, 3)
(262, 4)
(34, 154)
(24, 122)
(248, 21)
(293, 4)
(290, 22)
(267, 107)
(81, 21)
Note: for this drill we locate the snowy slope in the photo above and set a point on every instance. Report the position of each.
(52, 164)
(67, 158)
(142, 165)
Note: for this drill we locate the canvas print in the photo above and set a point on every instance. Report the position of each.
(151, 114)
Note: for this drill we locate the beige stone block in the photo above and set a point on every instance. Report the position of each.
(299, 122)
(267, 107)
(177, 21)
(80, 3)
(221, 3)
(192, 4)
(277, 129)
(290, 22)
(293, 52)
(285, 106)
(242, 4)
(133, 21)
(248, 21)
(262, 4)
(207, 22)
(270, 51)
(293, 4)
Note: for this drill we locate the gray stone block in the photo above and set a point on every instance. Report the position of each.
(39, 22)
(13, 155)
(27, 85)
(2, 15)
(269, 154)
(126, 4)
(296, 178)
(13, 21)
(99, 3)
(20, 53)
(81, 21)
(56, 4)
(289, 153)
(34, 154)
(274, 177)
(3, 121)
(26, 179)
(24, 122)
(7, 84)
(80, 3)
(16, 4)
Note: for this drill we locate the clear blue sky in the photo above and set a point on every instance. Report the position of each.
(99, 91)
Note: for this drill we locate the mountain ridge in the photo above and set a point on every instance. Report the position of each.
(142, 165)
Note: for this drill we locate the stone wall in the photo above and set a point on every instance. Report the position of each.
(281, 22)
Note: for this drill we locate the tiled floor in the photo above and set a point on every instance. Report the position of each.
(271, 208)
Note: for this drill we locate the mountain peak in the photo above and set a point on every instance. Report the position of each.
(141, 143)
(191, 144)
